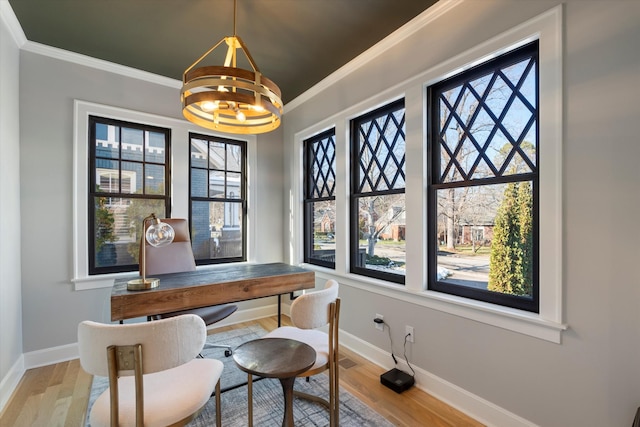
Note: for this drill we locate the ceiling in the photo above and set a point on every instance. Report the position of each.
(295, 43)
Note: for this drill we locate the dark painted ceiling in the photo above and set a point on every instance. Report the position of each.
(296, 43)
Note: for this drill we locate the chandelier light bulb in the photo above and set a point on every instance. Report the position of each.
(209, 106)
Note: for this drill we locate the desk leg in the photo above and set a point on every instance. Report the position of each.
(279, 310)
(287, 390)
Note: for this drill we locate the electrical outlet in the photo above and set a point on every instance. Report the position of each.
(408, 330)
(379, 326)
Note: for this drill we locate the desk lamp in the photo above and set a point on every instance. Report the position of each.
(158, 234)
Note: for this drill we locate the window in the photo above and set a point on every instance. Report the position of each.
(128, 176)
(218, 199)
(377, 193)
(319, 199)
(483, 184)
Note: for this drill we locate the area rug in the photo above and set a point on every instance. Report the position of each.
(268, 400)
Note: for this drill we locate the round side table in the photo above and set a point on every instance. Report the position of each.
(280, 358)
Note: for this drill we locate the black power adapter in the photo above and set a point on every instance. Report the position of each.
(397, 380)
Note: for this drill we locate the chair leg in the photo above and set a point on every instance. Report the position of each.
(218, 406)
(250, 399)
(334, 391)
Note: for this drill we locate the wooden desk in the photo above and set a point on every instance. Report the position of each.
(202, 288)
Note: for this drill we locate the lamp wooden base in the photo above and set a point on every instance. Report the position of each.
(142, 284)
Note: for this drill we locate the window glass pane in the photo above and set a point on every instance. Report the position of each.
(198, 153)
(381, 233)
(199, 182)
(323, 247)
(132, 143)
(216, 229)
(107, 141)
(157, 141)
(217, 184)
(321, 176)
(485, 237)
(134, 172)
(234, 187)
(381, 148)
(154, 179)
(117, 226)
(156, 146)
(234, 157)
(217, 155)
(107, 176)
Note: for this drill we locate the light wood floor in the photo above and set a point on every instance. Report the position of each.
(57, 395)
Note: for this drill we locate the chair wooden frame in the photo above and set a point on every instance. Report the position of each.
(333, 404)
(307, 315)
(129, 357)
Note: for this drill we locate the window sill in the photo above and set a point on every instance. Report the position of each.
(96, 282)
(518, 321)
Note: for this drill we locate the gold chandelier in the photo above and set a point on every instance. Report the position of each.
(230, 99)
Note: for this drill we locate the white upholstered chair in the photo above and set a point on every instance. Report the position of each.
(309, 312)
(154, 376)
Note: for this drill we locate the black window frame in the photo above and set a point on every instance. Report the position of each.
(93, 192)
(312, 192)
(528, 51)
(356, 193)
(242, 201)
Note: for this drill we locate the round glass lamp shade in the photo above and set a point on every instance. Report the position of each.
(160, 234)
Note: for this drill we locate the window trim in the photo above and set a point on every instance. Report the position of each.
(548, 323)
(179, 164)
(530, 50)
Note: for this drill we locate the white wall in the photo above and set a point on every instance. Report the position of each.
(10, 292)
(48, 87)
(592, 378)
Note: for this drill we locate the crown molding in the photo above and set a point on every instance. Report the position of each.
(99, 64)
(11, 21)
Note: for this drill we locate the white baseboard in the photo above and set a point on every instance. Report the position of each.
(474, 406)
(466, 402)
(49, 356)
(11, 381)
